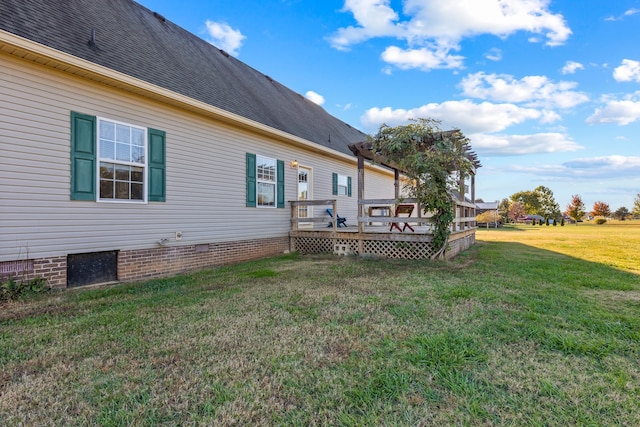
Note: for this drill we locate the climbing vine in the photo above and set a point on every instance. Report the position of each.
(432, 160)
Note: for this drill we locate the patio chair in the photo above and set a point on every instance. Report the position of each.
(341, 220)
(402, 210)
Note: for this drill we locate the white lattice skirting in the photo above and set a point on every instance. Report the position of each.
(382, 248)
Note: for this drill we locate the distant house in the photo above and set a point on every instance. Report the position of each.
(482, 207)
(133, 149)
(528, 219)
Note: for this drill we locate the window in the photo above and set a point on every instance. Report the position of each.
(122, 160)
(113, 161)
(265, 181)
(341, 185)
(266, 173)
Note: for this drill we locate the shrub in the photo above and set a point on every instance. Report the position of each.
(13, 289)
(600, 220)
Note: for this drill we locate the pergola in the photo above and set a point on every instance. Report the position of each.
(385, 240)
(365, 151)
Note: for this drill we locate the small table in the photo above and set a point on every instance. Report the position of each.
(402, 210)
(385, 210)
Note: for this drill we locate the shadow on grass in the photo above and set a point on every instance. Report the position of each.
(512, 228)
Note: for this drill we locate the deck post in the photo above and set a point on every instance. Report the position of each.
(360, 193)
(396, 183)
(473, 197)
(294, 215)
(360, 199)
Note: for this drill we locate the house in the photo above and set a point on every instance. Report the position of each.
(528, 219)
(482, 207)
(133, 149)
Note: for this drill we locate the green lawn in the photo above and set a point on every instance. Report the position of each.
(532, 326)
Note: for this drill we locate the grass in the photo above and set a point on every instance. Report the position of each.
(532, 326)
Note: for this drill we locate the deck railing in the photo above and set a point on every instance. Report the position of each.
(296, 220)
(378, 240)
(465, 214)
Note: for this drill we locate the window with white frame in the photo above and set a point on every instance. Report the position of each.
(122, 161)
(266, 181)
(343, 185)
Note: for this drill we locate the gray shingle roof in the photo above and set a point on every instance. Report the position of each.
(487, 206)
(138, 42)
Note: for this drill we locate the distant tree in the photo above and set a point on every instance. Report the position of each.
(488, 217)
(529, 200)
(636, 205)
(621, 213)
(516, 210)
(575, 209)
(601, 209)
(503, 210)
(549, 209)
(539, 202)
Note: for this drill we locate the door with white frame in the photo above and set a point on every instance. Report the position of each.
(304, 193)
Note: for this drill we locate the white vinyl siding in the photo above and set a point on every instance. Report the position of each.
(205, 172)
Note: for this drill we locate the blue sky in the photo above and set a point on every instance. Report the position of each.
(547, 91)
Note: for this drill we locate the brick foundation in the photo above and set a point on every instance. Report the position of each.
(149, 263)
(141, 264)
(52, 269)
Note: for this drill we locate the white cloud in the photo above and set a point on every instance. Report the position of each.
(613, 162)
(533, 91)
(618, 111)
(438, 26)
(466, 115)
(314, 97)
(423, 58)
(509, 145)
(570, 67)
(375, 18)
(603, 167)
(494, 54)
(629, 12)
(480, 122)
(628, 71)
(224, 37)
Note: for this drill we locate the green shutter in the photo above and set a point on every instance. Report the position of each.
(280, 181)
(251, 180)
(349, 186)
(335, 184)
(157, 166)
(83, 157)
